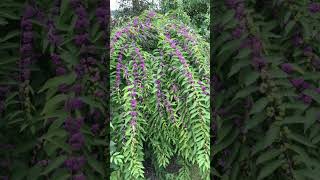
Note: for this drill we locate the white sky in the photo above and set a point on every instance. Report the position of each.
(114, 5)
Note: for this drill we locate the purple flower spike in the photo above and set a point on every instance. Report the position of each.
(286, 67)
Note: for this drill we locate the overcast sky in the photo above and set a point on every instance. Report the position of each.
(114, 4)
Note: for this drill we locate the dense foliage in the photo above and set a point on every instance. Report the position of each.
(267, 90)
(53, 89)
(159, 98)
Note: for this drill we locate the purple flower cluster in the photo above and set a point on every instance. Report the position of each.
(75, 164)
(26, 49)
(238, 6)
(53, 36)
(73, 104)
(314, 7)
(102, 13)
(203, 88)
(76, 140)
(82, 23)
(60, 68)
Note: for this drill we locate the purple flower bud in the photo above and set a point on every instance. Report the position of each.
(258, 63)
(77, 141)
(318, 90)
(297, 82)
(314, 7)
(305, 98)
(79, 177)
(95, 128)
(305, 85)
(81, 38)
(82, 23)
(63, 88)
(81, 12)
(236, 33)
(26, 48)
(61, 71)
(286, 67)
(73, 104)
(256, 45)
(133, 113)
(26, 24)
(27, 37)
(133, 103)
(77, 88)
(73, 125)
(297, 40)
(29, 12)
(55, 59)
(307, 51)
(316, 63)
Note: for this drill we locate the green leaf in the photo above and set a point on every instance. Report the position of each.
(301, 139)
(255, 120)
(56, 81)
(53, 102)
(269, 168)
(229, 140)
(289, 27)
(245, 92)
(10, 35)
(237, 66)
(296, 119)
(259, 105)
(250, 77)
(227, 16)
(54, 164)
(268, 155)
(96, 165)
(271, 135)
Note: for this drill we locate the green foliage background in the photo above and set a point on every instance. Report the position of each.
(262, 129)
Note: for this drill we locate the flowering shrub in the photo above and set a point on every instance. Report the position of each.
(159, 98)
(267, 98)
